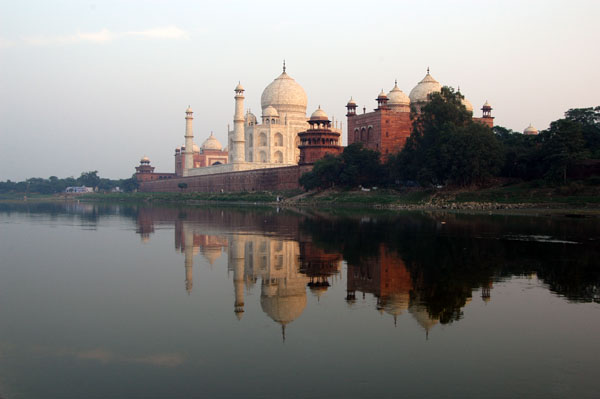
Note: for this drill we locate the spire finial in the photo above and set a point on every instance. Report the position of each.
(427, 70)
(284, 66)
(395, 82)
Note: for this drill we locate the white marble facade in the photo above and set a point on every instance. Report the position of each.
(273, 139)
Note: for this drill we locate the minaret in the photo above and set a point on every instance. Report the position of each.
(237, 254)
(188, 251)
(237, 150)
(189, 142)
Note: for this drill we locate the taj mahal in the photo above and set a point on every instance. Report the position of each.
(268, 142)
(284, 142)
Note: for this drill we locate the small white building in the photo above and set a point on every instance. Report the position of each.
(79, 189)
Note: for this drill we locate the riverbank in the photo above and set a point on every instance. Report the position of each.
(511, 197)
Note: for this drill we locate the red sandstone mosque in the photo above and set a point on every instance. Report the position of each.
(388, 126)
(272, 154)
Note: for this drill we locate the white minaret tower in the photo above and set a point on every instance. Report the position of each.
(237, 254)
(189, 142)
(237, 150)
(188, 251)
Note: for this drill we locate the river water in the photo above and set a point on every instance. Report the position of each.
(101, 301)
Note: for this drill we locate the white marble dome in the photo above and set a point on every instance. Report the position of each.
(270, 112)
(396, 97)
(286, 95)
(319, 115)
(467, 104)
(211, 143)
(425, 87)
(530, 130)
(283, 307)
(196, 148)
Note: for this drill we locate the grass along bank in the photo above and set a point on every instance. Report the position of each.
(508, 196)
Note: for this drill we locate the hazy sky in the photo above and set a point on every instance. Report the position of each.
(97, 85)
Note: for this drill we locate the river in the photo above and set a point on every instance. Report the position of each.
(118, 301)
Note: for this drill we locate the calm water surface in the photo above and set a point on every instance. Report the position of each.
(136, 302)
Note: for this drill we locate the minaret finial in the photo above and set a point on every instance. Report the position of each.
(428, 70)
(284, 66)
(395, 82)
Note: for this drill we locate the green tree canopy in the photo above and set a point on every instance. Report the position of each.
(356, 166)
(89, 179)
(565, 145)
(447, 146)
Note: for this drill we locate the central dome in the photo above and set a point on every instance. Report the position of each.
(286, 96)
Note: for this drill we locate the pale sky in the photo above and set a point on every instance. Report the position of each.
(95, 85)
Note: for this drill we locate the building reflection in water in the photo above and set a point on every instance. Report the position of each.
(287, 262)
(190, 240)
(386, 277)
(285, 265)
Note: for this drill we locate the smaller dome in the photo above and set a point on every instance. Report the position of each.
(196, 148)
(486, 105)
(397, 96)
(239, 87)
(211, 143)
(270, 112)
(189, 109)
(319, 115)
(145, 159)
(351, 102)
(382, 95)
(530, 130)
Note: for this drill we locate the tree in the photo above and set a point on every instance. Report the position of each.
(89, 179)
(325, 173)
(360, 166)
(476, 155)
(130, 184)
(447, 146)
(564, 147)
(589, 120)
(355, 166)
(521, 153)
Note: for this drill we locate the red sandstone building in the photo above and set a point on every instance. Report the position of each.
(210, 153)
(388, 126)
(319, 140)
(145, 172)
